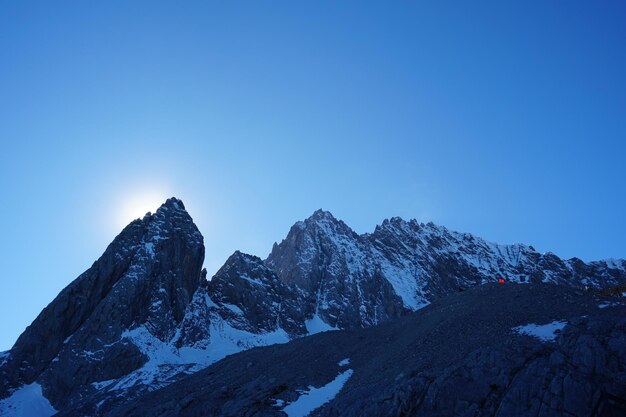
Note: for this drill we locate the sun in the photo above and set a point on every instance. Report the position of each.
(136, 204)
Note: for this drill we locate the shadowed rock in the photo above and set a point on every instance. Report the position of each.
(460, 356)
(147, 276)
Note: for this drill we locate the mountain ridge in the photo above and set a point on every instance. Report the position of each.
(145, 316)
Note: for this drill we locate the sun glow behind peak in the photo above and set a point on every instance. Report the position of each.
(136, 204)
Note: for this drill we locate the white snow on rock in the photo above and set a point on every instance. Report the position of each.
(609, 304)
(314, 398)
(27, 401)
(403, 282)
(226, 340)
(544, 332)
(4, 356)
(615, 263)
(316, 325)
(253, 280)
(344, 362)
(166, 360)
(234, 309)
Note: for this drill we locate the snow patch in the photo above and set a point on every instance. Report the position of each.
(4, 357)
(609, 304)
(404, 282)
(226, 340)
(316, 325)
(102, 384)
(165, 360)
(234, 309)
(344, 362)
(615, 263)
(314, 398)
(252, 280)
(150, 249)
(544, 332)
(27, 401)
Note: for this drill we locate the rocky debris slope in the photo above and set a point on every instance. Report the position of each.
(497, 349)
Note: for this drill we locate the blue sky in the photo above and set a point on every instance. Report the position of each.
(505, 120)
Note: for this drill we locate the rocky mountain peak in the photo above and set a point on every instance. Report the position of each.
(173, 215)
(262, 301)
(398, 224)
(309, 246)
(321, 215)
(237, 264)
(145, 279)
(175, 203)
(323, 222)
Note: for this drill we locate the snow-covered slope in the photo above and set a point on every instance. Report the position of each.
(493, 350)
(27, 401)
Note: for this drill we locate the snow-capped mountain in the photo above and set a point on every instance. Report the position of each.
(360, 280)
(144, 315)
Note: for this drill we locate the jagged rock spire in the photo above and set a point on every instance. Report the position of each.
(147, 276)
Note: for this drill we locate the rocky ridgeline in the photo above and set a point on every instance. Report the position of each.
(356, 280)
(144, 315)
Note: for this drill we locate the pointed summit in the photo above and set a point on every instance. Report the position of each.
(173, 203)
(170, 207)
(173, 207)
(323, 221)
(144, 281)
(172, 219)
(321, 214)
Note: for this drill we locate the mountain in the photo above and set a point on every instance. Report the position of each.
(94, 329)
(144, 315)
(357, 281)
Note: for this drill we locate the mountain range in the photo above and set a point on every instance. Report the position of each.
(409, 310)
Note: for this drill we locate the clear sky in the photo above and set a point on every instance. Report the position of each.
(505, 120)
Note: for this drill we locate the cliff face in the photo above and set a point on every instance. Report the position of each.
(360, 280)
(146, 278)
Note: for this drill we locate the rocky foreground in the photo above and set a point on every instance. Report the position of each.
(475, 353)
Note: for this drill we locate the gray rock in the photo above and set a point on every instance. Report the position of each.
(146, 277)
(457, 357)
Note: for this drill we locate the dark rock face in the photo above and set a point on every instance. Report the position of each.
(360, 280)
(267, 304)
(43, 339)
(147, 276)
(336, 268)
(463, 355)
(144, 316)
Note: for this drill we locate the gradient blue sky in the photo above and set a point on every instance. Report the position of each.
(505, 120)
